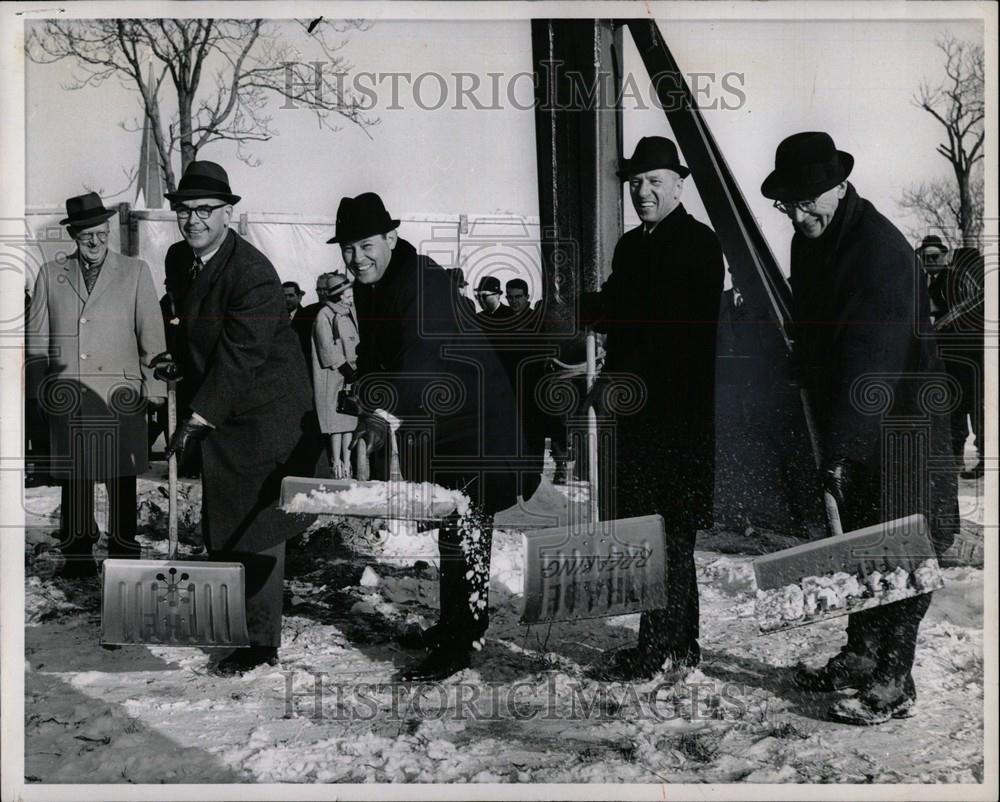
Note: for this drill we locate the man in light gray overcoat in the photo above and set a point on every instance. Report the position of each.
(93, 326)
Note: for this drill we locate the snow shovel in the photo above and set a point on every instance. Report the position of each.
(846, 572)
(176, 603)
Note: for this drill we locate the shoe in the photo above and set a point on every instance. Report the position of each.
(845, 670)
(440, 664)
(639, 663)
(243, 660)
(413, 637)
(878, 703)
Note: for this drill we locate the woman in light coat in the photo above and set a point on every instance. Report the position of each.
(334, 365)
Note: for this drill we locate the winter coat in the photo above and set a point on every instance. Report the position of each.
(879, 395)
(460, 423)
(248, 378)
(335, 343)
(660, 311)
(88, 364)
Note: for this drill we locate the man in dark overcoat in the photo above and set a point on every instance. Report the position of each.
(249, 393)
(456, 406)
(93, 330)
(879, 395)
(660, 310)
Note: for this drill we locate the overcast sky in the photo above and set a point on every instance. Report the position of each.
(852, 79)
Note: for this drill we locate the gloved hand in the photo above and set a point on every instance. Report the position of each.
(349, 373)
(374, 430)
(188, 432)
(590, 307)
(165, 368)
(840, 476)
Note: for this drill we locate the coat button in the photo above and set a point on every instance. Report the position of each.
(83, 320)
(84, 356)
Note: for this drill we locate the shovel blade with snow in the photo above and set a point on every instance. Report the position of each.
(173, 602)
(846, 573)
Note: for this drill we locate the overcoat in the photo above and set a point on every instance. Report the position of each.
(660, 311)
(460, 422)
(88, 360)
(248, 378)
(863, 352)
(335, 342)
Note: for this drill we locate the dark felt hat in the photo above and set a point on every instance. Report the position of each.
(488, 284)
(932, 241)
(361, 217)
(653, 153)
(806, 165)
(84, 211)
(204, 180)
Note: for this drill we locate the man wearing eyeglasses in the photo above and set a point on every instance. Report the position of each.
(93, 329)
(249, 396)
(875, 388)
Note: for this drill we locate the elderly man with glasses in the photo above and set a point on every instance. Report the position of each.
(876, 388)
(93, 329)
(249, 392)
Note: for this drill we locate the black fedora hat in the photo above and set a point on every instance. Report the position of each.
(932, 241)
(653, 153)
(806, 165)
(361, 217)
(204, 180)
(488, 284)
(84, 211)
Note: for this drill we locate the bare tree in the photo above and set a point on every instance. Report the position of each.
(958, 103)
(936, 206)
(223, 72)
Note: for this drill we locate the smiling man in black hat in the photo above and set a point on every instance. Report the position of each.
(93, 330)
(249, 396)
(660, 310)
(872, 381)
(456, 406)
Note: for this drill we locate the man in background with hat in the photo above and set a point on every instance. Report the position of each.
(93, 329)
(249, 396)
(456, 407)
(660, 310)
(871, 379)
(492, 309)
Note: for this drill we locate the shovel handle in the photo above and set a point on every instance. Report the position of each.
(592, 456)
(171, 472)
(829, 502)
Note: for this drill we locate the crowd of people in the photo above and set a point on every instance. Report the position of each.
(394, 355)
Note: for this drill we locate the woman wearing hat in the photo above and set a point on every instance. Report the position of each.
(334, 365)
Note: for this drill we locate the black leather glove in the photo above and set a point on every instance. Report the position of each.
(349, 373)
(374, 430)
(840, 476)
(590, 307)
(165, 368)
(188, 432)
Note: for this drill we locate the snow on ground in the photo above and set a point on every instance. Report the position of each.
(527, 711)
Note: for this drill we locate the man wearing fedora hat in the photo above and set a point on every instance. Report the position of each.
(871, 379)
(457, 413)
(93, 329)
(249, 396)
(491, 308)
(660, 310)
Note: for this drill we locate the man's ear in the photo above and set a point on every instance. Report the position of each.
(842, 189)
(392, 237)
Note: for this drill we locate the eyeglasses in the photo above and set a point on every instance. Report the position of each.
(93, 237)
(807, 206)
(203, 212)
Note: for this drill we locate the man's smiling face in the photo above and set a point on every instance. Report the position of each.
(655, 194)
(368, 258)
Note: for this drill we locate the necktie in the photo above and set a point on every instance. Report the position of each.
(90, 274)
(196, 267)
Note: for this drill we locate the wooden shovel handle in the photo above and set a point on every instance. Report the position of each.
(171, 472)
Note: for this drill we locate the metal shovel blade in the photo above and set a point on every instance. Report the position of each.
(174, 603)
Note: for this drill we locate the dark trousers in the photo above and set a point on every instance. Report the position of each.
(888, 635)
(264, 576)
(78, 527)
(465, 580)
(673, 631)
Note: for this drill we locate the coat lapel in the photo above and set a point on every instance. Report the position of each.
(210, 273)
(107, 276)
(74, 277)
